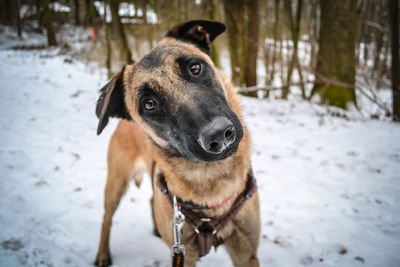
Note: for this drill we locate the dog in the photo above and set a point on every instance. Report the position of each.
(182, 123)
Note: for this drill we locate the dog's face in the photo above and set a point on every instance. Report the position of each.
(175, 94)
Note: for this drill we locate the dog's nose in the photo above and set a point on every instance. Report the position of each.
(216, 136)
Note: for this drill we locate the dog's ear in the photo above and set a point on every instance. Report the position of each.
(198, 32)
(111, 102)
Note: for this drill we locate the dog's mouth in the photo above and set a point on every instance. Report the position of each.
(207, 158)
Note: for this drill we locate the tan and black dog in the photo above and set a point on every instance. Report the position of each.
(181, 113)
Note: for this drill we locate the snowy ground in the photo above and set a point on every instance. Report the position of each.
(328, 180)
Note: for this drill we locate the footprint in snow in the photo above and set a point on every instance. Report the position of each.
(360, 259)
(351, 153)
(342, 250)
(12, 244)
(76, 94)
(375, 170)
(282, 242)
(40, 183)
(395, 157)
(306, 260)
(76, 156)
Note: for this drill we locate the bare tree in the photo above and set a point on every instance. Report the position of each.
(295, 31)
(108, 43)
(336, 57)
(394, 29)
(48, 23)
(118, 28)
(276, 33)
(212, 15)
(252, 45)
(76, 12)
(19, 18)
(235, 18)
(90, 12)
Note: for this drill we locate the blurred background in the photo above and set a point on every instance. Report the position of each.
(342, 52)
(319, 87)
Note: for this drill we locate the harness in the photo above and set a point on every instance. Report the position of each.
(205, 228)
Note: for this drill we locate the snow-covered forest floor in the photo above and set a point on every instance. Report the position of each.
(328, 180)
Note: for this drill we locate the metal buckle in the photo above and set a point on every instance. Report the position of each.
(177, 225)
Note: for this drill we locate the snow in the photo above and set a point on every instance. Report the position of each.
(328, 179)
(127, 9)
(57, 7)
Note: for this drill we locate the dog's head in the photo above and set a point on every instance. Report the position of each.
(176, 95)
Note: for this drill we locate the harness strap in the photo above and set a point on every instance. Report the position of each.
(206, 228)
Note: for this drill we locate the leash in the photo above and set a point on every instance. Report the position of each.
(178, 249)
(205, 228)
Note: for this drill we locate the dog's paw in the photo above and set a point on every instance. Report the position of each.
(103, 261)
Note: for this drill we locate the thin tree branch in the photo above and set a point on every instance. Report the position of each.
(377, 26)
(271, 88)
(324, 80)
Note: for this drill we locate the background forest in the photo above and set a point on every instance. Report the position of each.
(337, 51)
(319, 84)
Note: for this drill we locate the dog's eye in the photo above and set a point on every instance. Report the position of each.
(195, 68)
(149, 104)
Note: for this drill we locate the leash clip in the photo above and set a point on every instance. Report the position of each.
(177, 225)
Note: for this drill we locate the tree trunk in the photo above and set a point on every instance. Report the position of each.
(3, 11)
(281, 59)
(90, 11)
(19, 18)
(302, 88)
(149, 28)
(118, 28)
(295, 31)
(362, 30)
(267, 61)
(252, 46)
(108, 44)
(39, 14)
(313, 32)
(212, 15)
(236, 24)
(7, 8)
(276, 34)
(336, 58)
(394, 30)
(76, 12)
(383, 70)
(48, 23)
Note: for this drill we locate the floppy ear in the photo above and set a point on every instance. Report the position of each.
(111, 102)
(198, 32)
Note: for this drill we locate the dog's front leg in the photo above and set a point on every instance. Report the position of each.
(115, 189)
(242, 244)
(242, 251)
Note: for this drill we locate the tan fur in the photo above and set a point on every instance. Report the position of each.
(133, 146)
